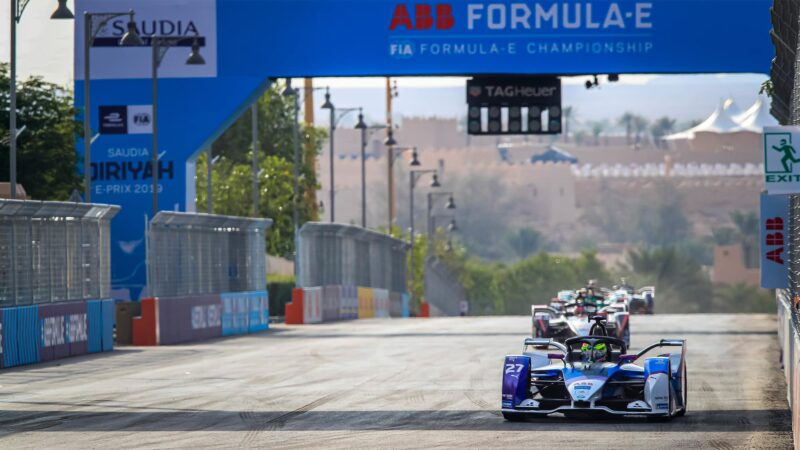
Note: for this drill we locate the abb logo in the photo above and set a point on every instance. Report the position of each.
(426, 16)
(775, 239)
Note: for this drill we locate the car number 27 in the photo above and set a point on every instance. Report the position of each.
(513, 368)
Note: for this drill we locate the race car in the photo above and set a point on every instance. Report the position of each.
(639, 301)
(575, 319)
(594, 376)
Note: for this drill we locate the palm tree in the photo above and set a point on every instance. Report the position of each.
(748, 229)
(627, 121)
(567, 112)
(597, 129)
(639, 125)
(661, 128)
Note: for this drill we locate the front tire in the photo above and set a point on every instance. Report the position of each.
(685, 388)
(513, 417)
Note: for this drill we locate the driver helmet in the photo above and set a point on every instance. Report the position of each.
(594, 353)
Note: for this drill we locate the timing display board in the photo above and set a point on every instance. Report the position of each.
(247, 42)
(513, 105)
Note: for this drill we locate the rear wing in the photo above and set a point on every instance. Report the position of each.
(544, 309)
(665, 343)
(543, 342)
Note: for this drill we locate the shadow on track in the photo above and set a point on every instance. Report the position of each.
(124, 419)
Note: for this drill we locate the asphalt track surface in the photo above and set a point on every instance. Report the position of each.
(416, 383)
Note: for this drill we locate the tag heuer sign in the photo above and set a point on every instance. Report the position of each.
(507, 91)
(514, 105)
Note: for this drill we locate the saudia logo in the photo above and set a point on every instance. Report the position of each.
(525, 16)
(163, 27)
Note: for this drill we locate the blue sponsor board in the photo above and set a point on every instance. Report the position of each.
(363, 38)
(20, 336)
(244, 312)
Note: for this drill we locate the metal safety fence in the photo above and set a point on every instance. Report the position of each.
(190, 253)
(344, 255)
(54, 251)
(443, 291)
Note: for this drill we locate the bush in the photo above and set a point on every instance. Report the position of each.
(280, 293)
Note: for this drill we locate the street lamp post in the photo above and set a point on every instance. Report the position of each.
(91, 29)
(291, 92)
(413, 177)
(160, 45)
(17, 8)
(392, 151)
(364, 130)
(334, 120)
(451, 204)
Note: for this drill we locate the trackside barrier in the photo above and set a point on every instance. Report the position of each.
(381, 299)
(789, 342)
(175, 320)
(329, 303)
(366, 303)
(312, 305)
(294, 309)
(37, 333)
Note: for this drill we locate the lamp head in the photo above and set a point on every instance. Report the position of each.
(415, 159)
(195, 58)
(389, 142)
(131, 37)
(453, 226)
(451, 204)
(435, 183)
(288, 91)
(327, 104)
(62, 11)
(361, 125)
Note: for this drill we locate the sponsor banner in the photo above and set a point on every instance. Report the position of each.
(774, 220)
(782, 159)
(109, 320)
(312, 305)
(516, 91)
(1, 339)
(331, 302)
(64, 330)
(20, 336)
(244, 312)
(259, 311)
(190, 318)
(173, 19)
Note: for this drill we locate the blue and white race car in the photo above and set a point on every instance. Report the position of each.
(593, 375)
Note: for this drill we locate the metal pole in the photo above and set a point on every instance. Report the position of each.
(209, 192)
(411, 183)
(154, 161)
(390, 178)
(12, 109)
(363, 178)
(87, 110)
(12, 137)
(296, 213)
(430, 224)
(332, 129)
(254, 129)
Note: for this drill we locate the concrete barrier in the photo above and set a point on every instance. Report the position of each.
(331, 303)
(366, 303)
(312, 305)
(381, 299)
(294, 309)
(174, 320)
(37, 333)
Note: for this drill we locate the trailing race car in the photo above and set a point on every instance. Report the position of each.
(574, 319)
(593, 375)
(639, 301)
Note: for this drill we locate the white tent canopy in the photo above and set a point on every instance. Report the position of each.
(757, 117)
(728, 118)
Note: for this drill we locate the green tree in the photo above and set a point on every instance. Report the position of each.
(681, 284)
(742, 298)
(747, 230)
(232, 174)
(525, 242)
(597, 129)
(639, 127)
(659, 216)
(660, 128)
(46, 157)
(627, 120)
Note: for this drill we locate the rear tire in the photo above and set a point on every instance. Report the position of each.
(685, 388)
(513, 417)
